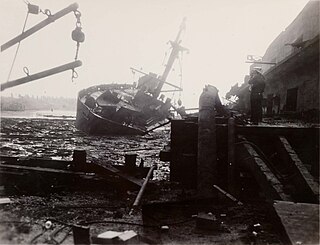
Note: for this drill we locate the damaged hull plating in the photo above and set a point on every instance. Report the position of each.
(118, 109)
(122, 109)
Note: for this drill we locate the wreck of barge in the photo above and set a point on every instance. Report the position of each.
(125, 109)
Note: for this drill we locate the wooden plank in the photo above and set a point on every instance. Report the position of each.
(125, 176)
(12, 172)
(39, 169)
(267, 180)
(300, 221)
(305, 181)
(92, 168)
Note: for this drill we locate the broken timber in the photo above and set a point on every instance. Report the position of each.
(125, 176)
(46, 73)
(269, 183)
(38, 169)
(304, 181)
(42, 24)
(24, 167)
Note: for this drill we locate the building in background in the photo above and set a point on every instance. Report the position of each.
(291, 67)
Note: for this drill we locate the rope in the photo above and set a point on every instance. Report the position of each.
(15, 56)
(180, 66)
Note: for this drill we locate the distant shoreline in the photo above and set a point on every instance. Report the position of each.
(40, 114)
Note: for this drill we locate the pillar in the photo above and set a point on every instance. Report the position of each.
(207, 150)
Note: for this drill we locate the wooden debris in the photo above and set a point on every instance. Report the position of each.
(116, 237)
(131, 179)
(267, 180)
(232, 198)
(304, 181)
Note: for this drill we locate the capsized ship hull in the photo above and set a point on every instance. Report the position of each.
(122, 109)
(118, 109)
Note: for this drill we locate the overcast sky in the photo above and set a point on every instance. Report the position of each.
(134, 33)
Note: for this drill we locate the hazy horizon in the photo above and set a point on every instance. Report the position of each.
(123, 34)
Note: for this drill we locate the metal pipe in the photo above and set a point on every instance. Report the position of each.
(42, 24)
(228, 195)
(46, 73)
(142, 189)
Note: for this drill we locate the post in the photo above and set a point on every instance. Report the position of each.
(231, 156)
(130, 161)
(39, 75)
(79, 157)
(42, 24)
(81, 235)
(207, 152)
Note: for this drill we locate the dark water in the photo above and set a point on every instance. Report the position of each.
(57, 138)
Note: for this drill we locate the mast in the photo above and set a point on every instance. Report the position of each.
(176, 48)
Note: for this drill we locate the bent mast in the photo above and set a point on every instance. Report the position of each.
(176, 48)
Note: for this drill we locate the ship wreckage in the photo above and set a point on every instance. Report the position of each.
(123, 109)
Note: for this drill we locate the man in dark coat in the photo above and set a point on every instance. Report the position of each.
(257, 82)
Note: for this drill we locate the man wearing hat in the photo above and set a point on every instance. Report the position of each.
(257, 82)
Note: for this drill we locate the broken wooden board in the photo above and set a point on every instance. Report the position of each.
(304, 180)
(12, 165)
(266, 179)
(300, 221)
(125, 176)
(39, 169)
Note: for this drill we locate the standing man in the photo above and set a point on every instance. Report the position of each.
(257, 82)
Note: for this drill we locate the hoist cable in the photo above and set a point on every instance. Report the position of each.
(15, 56)
(180, 66)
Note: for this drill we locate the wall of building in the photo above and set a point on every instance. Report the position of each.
(304, 79)
(305, 27)
(293, 83)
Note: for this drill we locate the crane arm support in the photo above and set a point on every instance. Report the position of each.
(37, 27)
(46, 73)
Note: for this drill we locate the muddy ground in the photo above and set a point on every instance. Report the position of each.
(23, 221)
